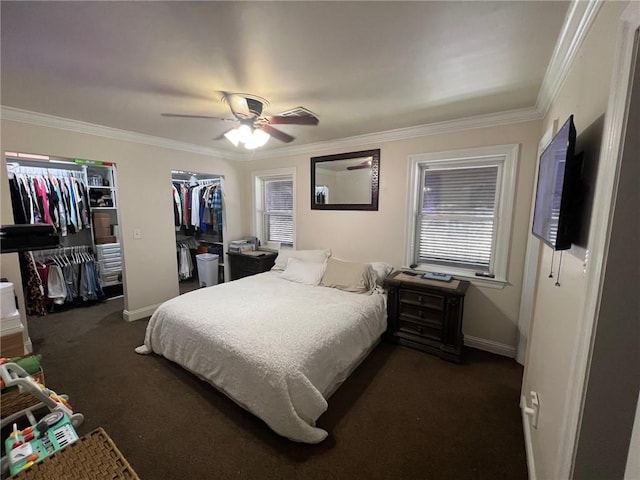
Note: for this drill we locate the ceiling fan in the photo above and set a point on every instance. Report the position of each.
(254, 129)
(366, 164)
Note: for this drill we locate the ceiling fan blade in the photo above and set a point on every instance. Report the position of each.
(221, 136)
(292, 120)
(185, 116)
(358, 167)
(275, 133)
(238, 105)
(179, 115)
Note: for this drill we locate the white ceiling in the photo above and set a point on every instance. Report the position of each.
(362, 67)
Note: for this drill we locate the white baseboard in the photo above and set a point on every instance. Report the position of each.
(490, 346)
(28, 346)
(138, 313)
(526, 426)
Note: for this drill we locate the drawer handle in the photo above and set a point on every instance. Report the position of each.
(421, 313)
(420, 299)
(420, 330)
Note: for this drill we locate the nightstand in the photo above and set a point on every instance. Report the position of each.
(426, 314)
(246, 264)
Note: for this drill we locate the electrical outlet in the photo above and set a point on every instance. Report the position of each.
(137, 233)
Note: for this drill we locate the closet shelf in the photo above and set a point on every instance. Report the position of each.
(103, 208)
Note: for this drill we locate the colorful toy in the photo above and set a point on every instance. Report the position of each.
(30, 364)
(33, 444)
(34, 439)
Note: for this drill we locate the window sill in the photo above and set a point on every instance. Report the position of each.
(484, 282)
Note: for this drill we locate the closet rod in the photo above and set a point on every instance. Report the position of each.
(40, 168)
(193, 174)
(43, 163)
(204, 181)
(63, 250)
(43, 172)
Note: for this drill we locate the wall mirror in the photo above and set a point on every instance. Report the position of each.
(346, 181)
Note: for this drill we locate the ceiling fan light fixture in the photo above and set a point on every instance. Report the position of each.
(233, 136)
(244, 133)
(252, 138)
(260, 138)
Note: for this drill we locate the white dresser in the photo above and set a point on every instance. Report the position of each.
(110, 263)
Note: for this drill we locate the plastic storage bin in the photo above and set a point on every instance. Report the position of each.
(7, 300)
(207, 269)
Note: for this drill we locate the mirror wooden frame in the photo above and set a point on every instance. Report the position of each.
(375, 177)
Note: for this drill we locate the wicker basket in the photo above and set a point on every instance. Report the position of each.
(94, 456)
(12, 400)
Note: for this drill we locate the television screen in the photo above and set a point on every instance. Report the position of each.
(553, 214)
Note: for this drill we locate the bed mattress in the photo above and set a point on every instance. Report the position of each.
(275, 347)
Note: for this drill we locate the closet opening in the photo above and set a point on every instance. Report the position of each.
(198, 208)
(79, 199)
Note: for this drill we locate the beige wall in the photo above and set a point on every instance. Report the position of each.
(557, 309)
(145, 201)
(9, 266)
(490, 314)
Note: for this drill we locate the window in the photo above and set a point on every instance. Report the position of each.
(275, 199)
(462, 207)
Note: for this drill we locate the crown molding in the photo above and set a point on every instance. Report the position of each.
(51, 121)
(580, 16)
(468, 123)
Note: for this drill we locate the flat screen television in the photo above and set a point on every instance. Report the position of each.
(555, 216)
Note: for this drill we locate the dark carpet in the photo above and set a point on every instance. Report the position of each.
(402, 414)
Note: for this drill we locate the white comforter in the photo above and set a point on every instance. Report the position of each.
(276, 347)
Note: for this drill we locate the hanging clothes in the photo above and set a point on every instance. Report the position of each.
(216, 206)
(67, 277)
(177, 205)
(56, 197)
(56, 285)
(198, 208)
(34, 296)
(19, 211)
(185, 265)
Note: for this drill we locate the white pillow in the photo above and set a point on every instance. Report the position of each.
(309, 273)
(381, 270)
(310, 256)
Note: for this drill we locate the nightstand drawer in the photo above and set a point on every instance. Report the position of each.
(421, 329)
(423, 315)
(423, 299)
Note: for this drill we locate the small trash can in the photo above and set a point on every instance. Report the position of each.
(207, 269)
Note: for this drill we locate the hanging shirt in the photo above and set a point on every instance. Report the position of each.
(17, 203)
(185, 205)
(73, 208)
(57, 287)
(62, 217)
(216, 205)
(195, 207)
(177, 206)
(41, 194)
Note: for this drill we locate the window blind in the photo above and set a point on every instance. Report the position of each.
(279, 210)
(457, 218)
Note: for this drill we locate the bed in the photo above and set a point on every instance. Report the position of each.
(276, 347)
